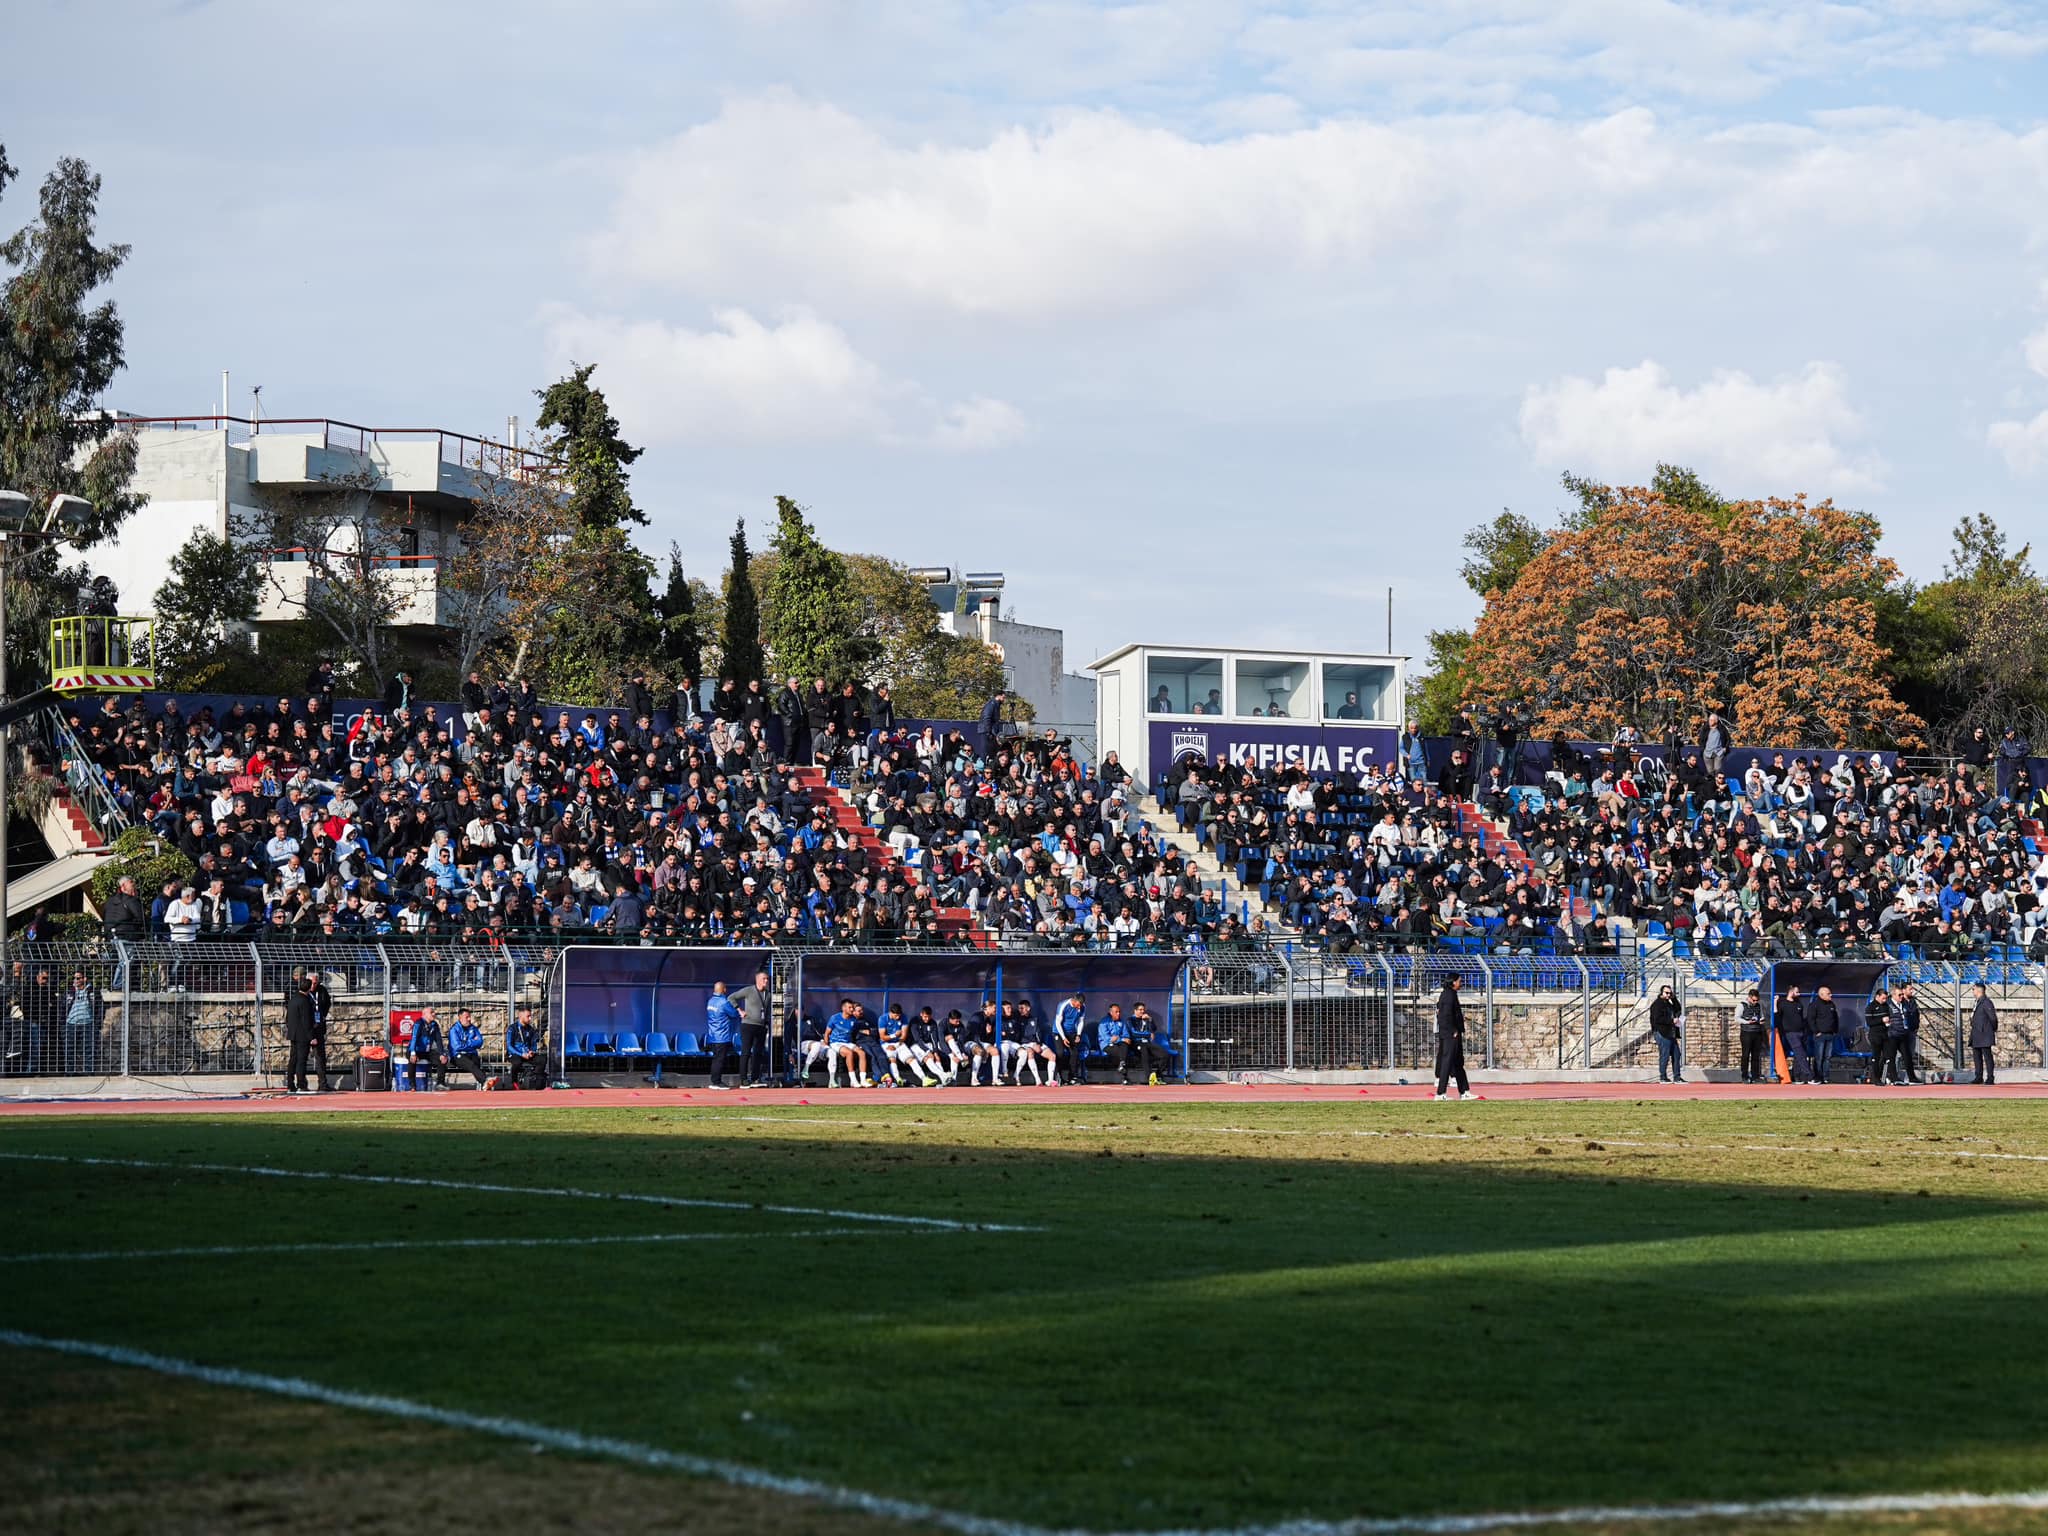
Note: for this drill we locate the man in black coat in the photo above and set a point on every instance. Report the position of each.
(1792, 1032)
(1983, 1037)
(1905, 1035)
(1450, 1040)
(796, 731)
(1752, 1020)
(992, 722)
(1664, 1027)
(1824, 1030)
(1877, 1014)
(298, 1033)
(125, 917)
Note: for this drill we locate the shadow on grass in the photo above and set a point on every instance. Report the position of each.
(1191, 1338)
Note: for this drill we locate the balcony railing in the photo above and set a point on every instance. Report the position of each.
(480, 455)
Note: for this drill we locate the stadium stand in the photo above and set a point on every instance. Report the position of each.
(582, 823)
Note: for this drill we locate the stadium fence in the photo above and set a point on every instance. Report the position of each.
(217, 1008)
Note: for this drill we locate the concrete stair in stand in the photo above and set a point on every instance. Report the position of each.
(955, 923)
(82, 836)
(1494, 839)
(1241, 901)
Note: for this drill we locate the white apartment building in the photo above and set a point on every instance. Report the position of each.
(1034, 656)
(219, 473)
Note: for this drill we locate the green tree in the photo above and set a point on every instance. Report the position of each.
(1500, 549)
(812, 620)
(682, 642)
(59, 352)
(740, 634)
(1435, 692)
(930, 673)
(586, 437)
(212, 590)
(597, 636)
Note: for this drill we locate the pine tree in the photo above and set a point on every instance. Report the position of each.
(741, 643)
(59, 352)
(682, 645)
(611, 627)
(814, 622)
(586, 436)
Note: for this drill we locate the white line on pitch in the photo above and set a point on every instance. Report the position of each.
(405, 1244)
(637, 1454)
(938, 1223)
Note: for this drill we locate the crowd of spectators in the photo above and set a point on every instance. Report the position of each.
(511, 820)
(514, 821)
(517, 821)
(1799, 853)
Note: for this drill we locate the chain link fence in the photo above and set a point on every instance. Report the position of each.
(105, 1007)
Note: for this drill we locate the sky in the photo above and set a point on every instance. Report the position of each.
(1205, 321)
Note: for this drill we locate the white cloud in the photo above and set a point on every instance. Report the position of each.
(979, 423)
(2036, 349)
(1791, 432)
(2024, 444)
(797, 377)
(778, 199)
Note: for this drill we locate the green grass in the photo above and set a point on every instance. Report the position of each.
(1229, 1314)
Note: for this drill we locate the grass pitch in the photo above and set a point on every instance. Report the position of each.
(1220, 1316)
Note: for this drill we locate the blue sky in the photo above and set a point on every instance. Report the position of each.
(1204, 320)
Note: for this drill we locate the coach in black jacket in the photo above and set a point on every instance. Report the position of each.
(1450, 1040)
(1983, 1037)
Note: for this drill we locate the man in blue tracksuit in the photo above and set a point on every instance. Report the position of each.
(721, 1032)
(1113, 1037)
(465, 1047)
(1068, 1023)
(429, 1049)
(523, 1044)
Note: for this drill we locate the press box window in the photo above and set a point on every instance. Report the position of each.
(1183, 685)
(1272, 690)
(1353, 691)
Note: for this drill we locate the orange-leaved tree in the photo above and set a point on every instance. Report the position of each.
(1650, 613)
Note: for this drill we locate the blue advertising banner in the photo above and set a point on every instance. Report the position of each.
(1323, 749)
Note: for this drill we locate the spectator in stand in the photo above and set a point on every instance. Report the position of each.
(992, 722)
(1714, 742)
(125, 917)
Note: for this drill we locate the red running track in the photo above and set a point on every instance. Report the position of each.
(998, 1098)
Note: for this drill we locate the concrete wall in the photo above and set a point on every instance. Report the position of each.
(1034, 658)
(188, 478)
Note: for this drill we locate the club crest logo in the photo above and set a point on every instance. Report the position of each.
(1190, 744)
